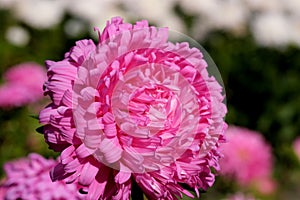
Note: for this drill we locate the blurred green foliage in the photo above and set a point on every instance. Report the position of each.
(263, 93)
(262, 86)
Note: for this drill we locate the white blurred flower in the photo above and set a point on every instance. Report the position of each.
(272, 29)
(230, 15)
(173, 23)
(295, 30)
(292, 6)
(95, 12)
(153, 10)
(40, 14)
(6, 4)
(74, 27)
(265, 5)
(87, 11)
(160, 12)
(111, 10)
(17, 35)
(199, 7)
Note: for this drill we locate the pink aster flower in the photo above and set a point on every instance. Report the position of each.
(247, 157)
(23, 85)
(29, 179)
(296, 147)
(134, 108)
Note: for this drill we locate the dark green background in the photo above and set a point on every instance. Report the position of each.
(262, 86)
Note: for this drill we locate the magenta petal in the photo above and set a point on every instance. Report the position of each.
(82, 50)
(97, 187)
(72, 166)
(123, 175)
(110, 151)
(65, 156)
(45, 114)
(88, 174)
(82, 152)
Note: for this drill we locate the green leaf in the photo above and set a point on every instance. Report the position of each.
(34, 116)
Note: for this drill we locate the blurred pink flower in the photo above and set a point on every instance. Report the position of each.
(29, 179)
(296, 146)
(247, 157)
(24, 83)
(134, 107)
(265, 185)
(240, 196)
(2, 189)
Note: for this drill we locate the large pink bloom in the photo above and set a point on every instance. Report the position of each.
(247, 158)
(29, 179)
(134, 107)
(23, 85)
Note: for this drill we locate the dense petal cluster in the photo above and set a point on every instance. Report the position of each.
(28, 179)
(134, 107)
(248, 158)
(22, 85)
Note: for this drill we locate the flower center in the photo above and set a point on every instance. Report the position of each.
(155, 108)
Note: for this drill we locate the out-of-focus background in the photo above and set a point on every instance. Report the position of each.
(255, 44)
